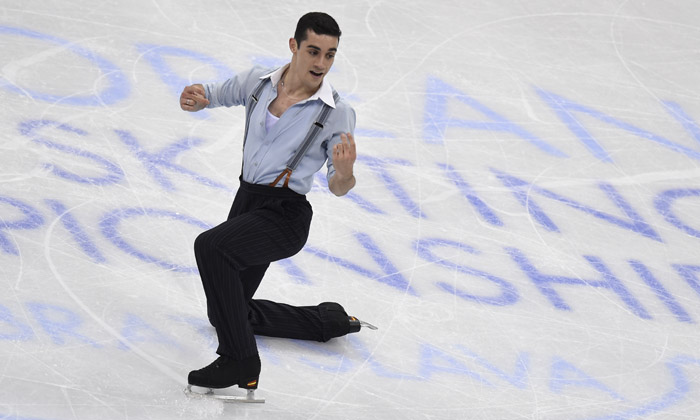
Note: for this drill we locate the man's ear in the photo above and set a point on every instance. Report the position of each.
(293, 45)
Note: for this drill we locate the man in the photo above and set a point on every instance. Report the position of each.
(270, 216)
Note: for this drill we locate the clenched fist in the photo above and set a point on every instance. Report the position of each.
(193, 98)
(344, 155)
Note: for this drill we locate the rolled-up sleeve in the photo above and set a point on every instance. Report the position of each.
(342, 122)
(234, 91)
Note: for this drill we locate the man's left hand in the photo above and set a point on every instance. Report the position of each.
(344, 155)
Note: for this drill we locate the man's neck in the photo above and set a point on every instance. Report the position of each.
(294, 87)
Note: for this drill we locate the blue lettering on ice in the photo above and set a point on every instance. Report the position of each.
(114, 173)
(567, 109)
(680, 389)
(544, 283)
(201, 326)
(156, 55)
(136, 330)
(390, 274)
(661, 292)
(109, 225)
(434, 360)
(508, 293)
(379, 166)
(436, 119)
(469, 193)
(116, 90)
(518, 379)
(59, 322)
(691, 274)
(19, 331)
(352, 196)
(267, 61)
(266, 351)
(565, 374)
(32, 219)
(294, 271)
(523, 192)
(681, 116)
(664, 205)
(73, 227)
(165, 158)
(377, 367)
(340, 363)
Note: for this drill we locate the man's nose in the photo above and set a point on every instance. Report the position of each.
(320, 61)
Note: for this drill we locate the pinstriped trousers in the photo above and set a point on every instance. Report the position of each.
(265, 224)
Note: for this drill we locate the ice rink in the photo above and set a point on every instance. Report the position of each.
(525, 231)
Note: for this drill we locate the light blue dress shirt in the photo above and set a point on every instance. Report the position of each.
(266, 153)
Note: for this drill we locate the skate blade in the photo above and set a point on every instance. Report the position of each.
(364, 324)
(250, 397)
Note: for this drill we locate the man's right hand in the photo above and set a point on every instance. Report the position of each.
(193, 98)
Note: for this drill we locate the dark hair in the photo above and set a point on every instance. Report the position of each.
(320, 23)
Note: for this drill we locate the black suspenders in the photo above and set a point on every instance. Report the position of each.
(252, 101)
(313, 132)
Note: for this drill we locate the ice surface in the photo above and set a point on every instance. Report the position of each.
(524, 231)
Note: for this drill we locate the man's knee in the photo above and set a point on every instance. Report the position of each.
(211, 245)
(204, 243)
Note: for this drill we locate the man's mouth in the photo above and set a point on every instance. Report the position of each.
(316, 74)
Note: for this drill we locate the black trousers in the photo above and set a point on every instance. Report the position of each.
(265, 224)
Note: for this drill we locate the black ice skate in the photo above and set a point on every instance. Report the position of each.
(225, 372)
(338, 322)
(356, 324)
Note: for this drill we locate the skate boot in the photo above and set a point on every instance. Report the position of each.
(225, 372)
(337, 323)
(356, 325)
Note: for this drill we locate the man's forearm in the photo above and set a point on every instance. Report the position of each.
(341, 185)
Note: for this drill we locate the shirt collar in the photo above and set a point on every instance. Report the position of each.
(324, 92)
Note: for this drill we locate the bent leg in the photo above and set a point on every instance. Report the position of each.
(227, 251)
(319, 323)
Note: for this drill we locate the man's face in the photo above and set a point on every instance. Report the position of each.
(314, 57)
